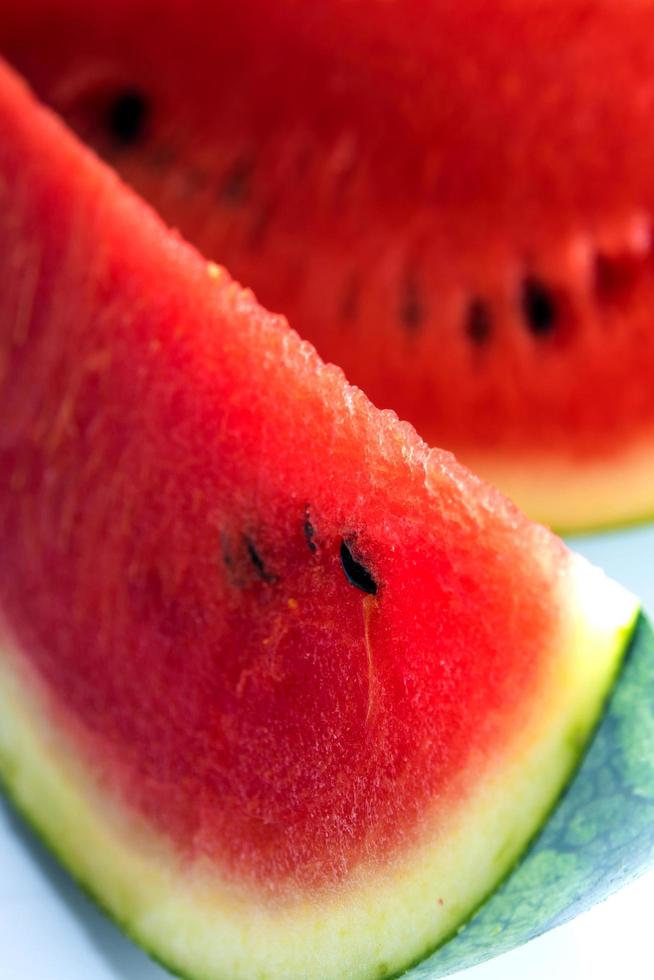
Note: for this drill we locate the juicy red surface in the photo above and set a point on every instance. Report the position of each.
(452, 199)
(169, 452)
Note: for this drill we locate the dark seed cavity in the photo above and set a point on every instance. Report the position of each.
(308, 533)
(412, 311)
(260, 225)
(538, 307)
(350, 301)
(127, 117)
(235, 188)
(227, 555)
(478, 322)
(225, 550)
(257, 561)
(356, 573)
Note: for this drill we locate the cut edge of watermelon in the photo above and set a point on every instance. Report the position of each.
(381, 920)
(576, 496)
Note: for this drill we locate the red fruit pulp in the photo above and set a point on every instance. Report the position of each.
(452, 200)
(276, 623)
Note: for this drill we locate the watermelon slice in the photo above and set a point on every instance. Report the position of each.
(286, 690)
(460, 218)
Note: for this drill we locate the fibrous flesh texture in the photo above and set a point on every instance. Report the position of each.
(274, 674)
(459, 217)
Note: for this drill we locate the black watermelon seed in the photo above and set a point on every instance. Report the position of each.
(308, 533)
(538, 307)
(412, 310)
(478, 322)
(350, 302)
(127, 117)
(356, 573)
(236, 184)
(257, 561)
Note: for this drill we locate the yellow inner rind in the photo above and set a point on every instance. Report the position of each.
(576, 494)
(381, 919)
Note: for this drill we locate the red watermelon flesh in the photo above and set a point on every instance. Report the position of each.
(459, 217)
(191, 442)
(261, 636)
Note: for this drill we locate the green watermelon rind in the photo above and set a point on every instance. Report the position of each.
(48, 842)
(599, 835)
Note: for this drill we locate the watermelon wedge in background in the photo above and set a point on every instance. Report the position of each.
(287, 691)
(459, 217)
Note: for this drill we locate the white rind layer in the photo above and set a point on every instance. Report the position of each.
(382, 919)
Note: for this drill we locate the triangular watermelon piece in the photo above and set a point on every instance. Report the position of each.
(286, 690)
(453, 200)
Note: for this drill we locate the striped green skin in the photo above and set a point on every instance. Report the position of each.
(599, 837)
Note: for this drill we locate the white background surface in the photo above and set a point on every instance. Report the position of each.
(50, 931)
